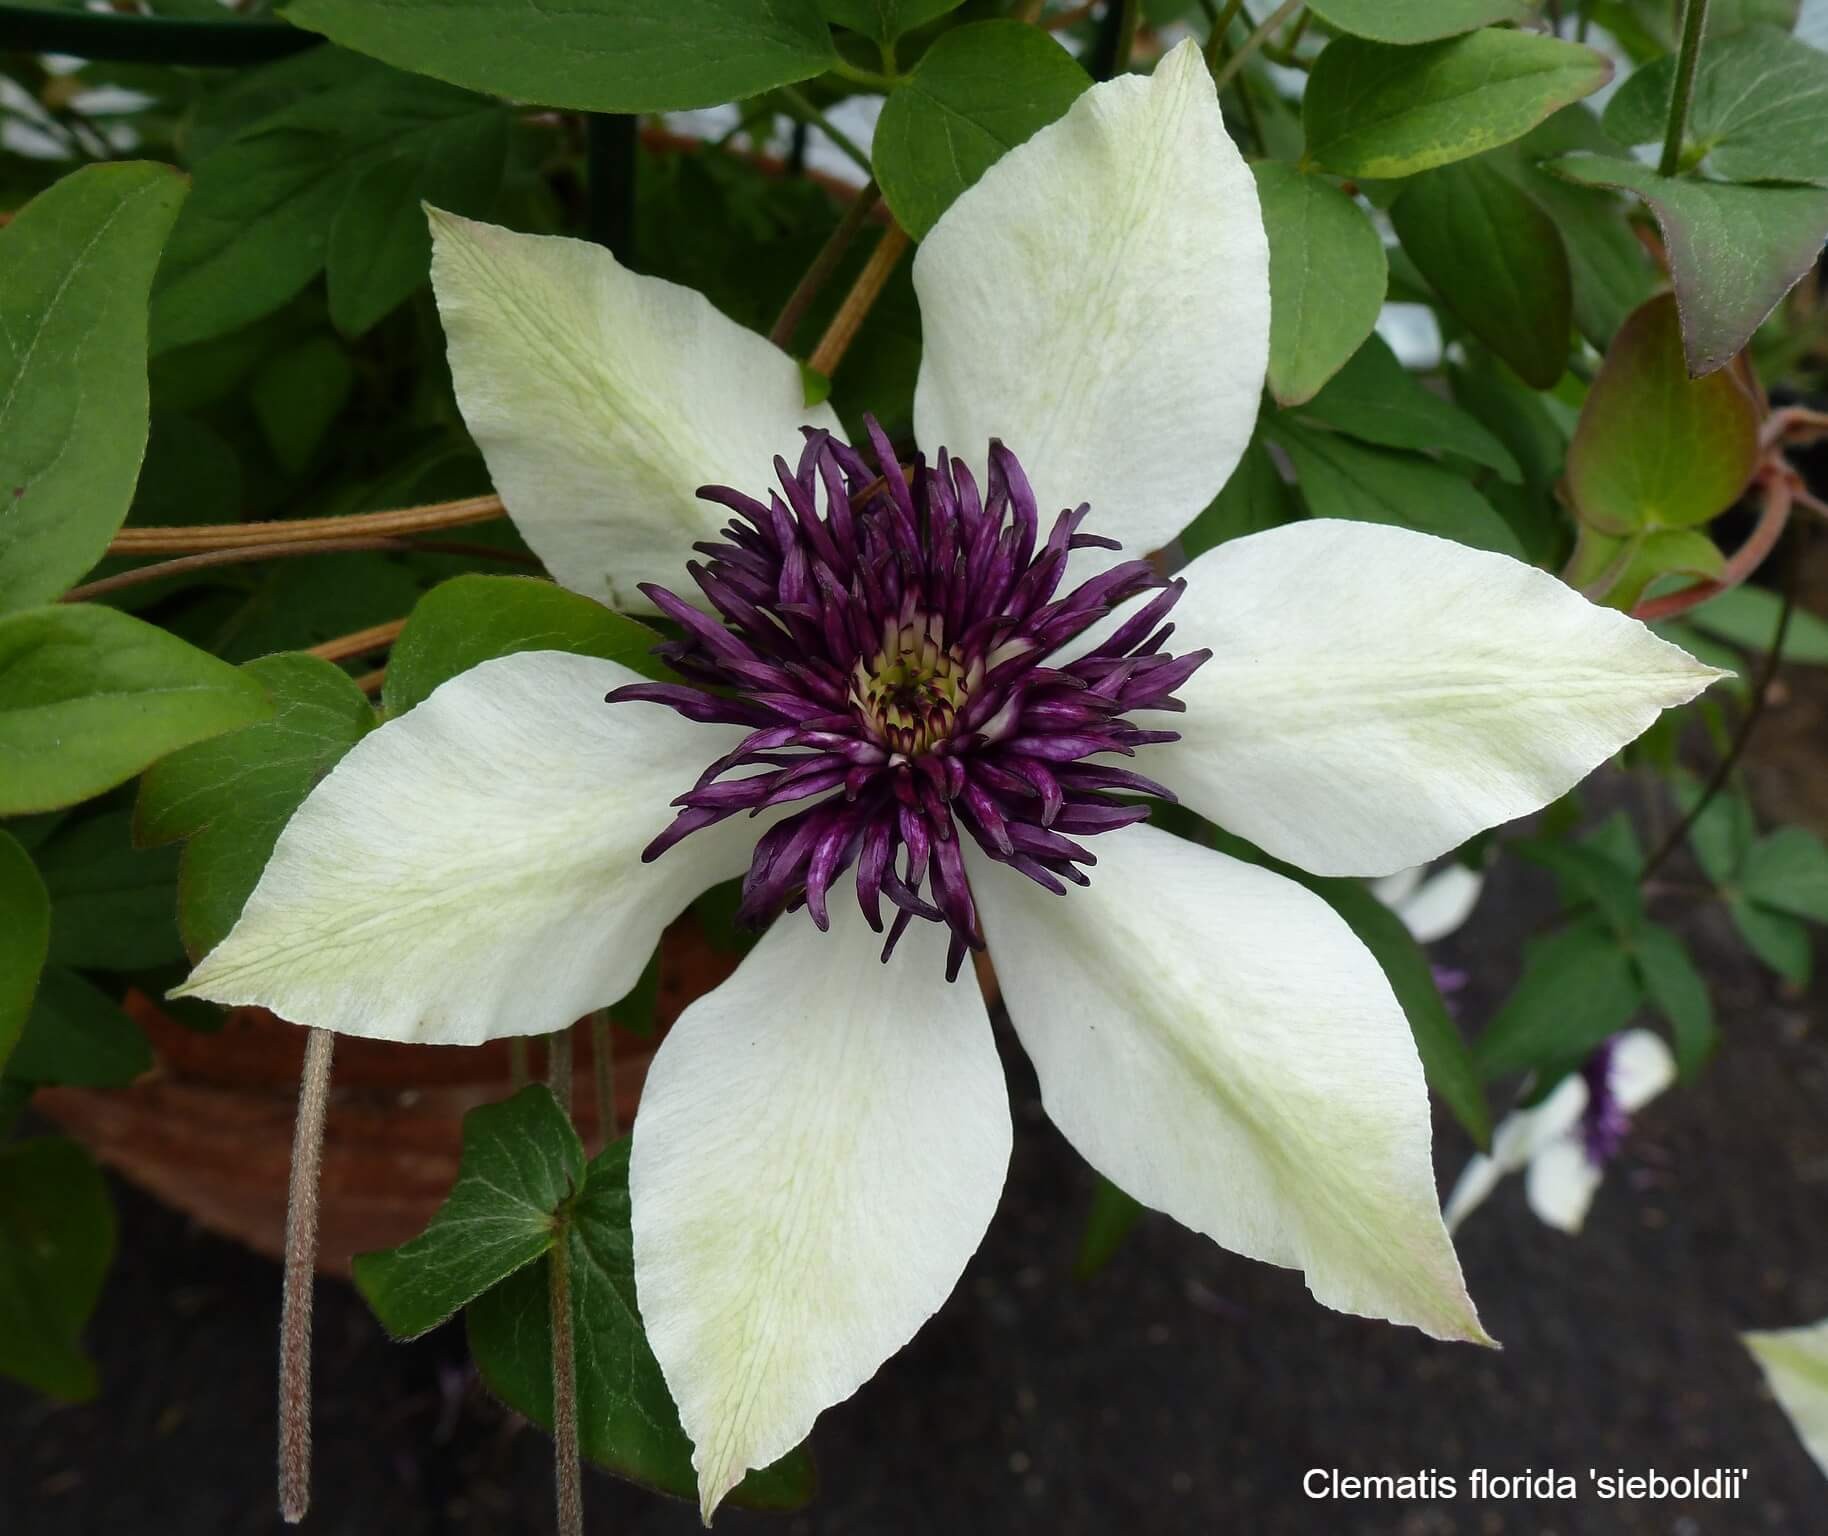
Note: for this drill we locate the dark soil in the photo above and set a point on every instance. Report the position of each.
(1180, 1390)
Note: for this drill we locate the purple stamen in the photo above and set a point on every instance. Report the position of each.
(1605, 1122)
(894, 656)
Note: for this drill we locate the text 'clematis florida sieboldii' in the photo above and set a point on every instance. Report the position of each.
(951, 688)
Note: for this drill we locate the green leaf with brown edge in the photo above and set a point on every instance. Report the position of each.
(77, 1034)
(468, 620)
(1416, 21)
(1256, 498)
(626, 1419)
(1327, 276)
(56, 1242)
(1618, 571)
(24, 938)
(76, 265)
(590, 55)
(1375, 399)
(1497, 262)
(521, 1163)
(1578, 987)
(1788, 872)
(89, 697)
(1734, 251)
(1371, 109)
(1759, 109)
(1342, 478)
(1655, 449)
(232, 796)
(1612, 272)
(979, 91)
(1678, 991)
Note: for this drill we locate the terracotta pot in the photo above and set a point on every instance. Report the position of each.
(209, 1129)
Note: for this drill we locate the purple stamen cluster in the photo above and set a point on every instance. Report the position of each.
(894, 656)
(1605, 1122)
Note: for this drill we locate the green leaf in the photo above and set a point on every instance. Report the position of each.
(1679, 993)
(1327, 276)
(1342, 478)
(1759, 111)
(521, 1162)
(1611, 272)
(112, 905)
(380, 247)
(1107, 1224)
(298, 394)
(232, 796)
(25, 937)
(1578, 987)
(1655, 448)
(56, 1242)
(1375, 110)
(1748, 616)
(1446, 1061)
(473, 619)
(626, 1418)
(1619, 570)
(1376, 399)
(883, 21)
(1587, 874)
(1415, 21)
(1779, 940)
(75, 268)
(1734, 252)
(1788, 872)
(1497, 262)
(592, 55)
(89, 697)
(1722, 834)
(259, 225)
(77, 1034)
(979, 91)
(1254, 499)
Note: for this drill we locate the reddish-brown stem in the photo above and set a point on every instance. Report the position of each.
(377, 637)
(300, 1273)
(358, 525)
(859, 301)
(823, 265)
(1772, 520)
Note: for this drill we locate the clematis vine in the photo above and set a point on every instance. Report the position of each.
(1564, 1144)
(926, 702)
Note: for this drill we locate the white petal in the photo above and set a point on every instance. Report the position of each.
(1560, 1184)
(1642, 1067)
(1100, 301)
(1795, 1363)
(472, 869)
(1377, 696)
(602, 400)
(820, 1146)
(1215, 1041)
(1394, 890)
(1520, 1136)
(1442, 903)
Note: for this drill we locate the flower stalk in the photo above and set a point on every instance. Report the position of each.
(823, 266)
(558, 1068)
(300, 1273)
(859, 301)
(1694, 23)
(603, 1072)
(566, 1467)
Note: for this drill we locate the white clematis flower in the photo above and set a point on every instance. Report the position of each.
(1431, 905)
(1563, 1144)
(823, 1139)
(1795, 1363)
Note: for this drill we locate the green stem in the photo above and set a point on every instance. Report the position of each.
(565, 1466)
(1116, 39)
(518, 1074)
(1255, 41)
(870, 79)
(1688, 57)
(1761, 688)
(798, 106)
(558, 1068)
